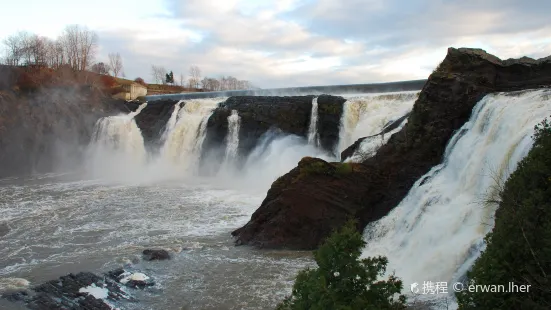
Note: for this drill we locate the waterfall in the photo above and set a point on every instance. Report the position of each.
(232, 138)
(117, 142)
(171, 121)
(367, 115)
(437, 231)
(313, 137)
(369, 146)
(183, 143)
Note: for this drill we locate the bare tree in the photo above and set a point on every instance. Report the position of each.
(15, 48)
(182, 79)
(55, 53)
(115, 63)
(158, 73)
(205, 84)
(194, 76)
(80, 45)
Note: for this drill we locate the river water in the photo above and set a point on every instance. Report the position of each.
(123, 201)
(56, 225)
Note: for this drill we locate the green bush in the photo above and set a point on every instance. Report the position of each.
(519, 246)
(343, 168)
(316, 167)
(344, 281)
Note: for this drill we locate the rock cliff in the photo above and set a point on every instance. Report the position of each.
(301, 209)
(152, 120)
(260, 114)
(47, 130)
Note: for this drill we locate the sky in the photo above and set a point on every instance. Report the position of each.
(284, 43)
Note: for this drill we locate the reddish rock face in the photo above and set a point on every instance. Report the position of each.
(302, 209)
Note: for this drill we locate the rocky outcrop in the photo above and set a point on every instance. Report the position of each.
(258, 115)
(152, 120)
(67, 293)
(288, 218)
(84, 290)
(297, 214)
(47, 130)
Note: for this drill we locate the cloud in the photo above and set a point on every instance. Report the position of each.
(311, 42)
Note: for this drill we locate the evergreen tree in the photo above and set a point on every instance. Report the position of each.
(344, 281)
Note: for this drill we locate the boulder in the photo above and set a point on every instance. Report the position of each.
(300, 212)
(130, 279)
(150, 255)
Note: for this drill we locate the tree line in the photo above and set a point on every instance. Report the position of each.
(76, 48)
(195, 80)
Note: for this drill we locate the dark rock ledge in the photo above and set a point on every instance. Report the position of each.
(67, 292)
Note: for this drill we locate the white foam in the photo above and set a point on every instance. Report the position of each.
(127, 277)
(97, 292)
(7, 284)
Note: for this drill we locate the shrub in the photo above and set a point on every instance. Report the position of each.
(518, 249)
(316, 167)
(108, 81)
(343, 280)
(344, 168)
(27, 82)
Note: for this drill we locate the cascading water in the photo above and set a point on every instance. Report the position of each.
(366, 116)
(183, 144)
(172, 120)
(117, 143)
(313, 137)
(369, 146)
(437, 231)
(232, 138)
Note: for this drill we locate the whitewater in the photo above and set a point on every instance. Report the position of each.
(436, 233)
(126, 199)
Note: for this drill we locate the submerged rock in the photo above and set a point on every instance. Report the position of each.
(302, 209)
(150, 255)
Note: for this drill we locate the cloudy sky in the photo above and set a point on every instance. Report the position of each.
(278, 43)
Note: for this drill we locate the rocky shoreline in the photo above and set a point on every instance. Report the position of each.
(86, 290)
